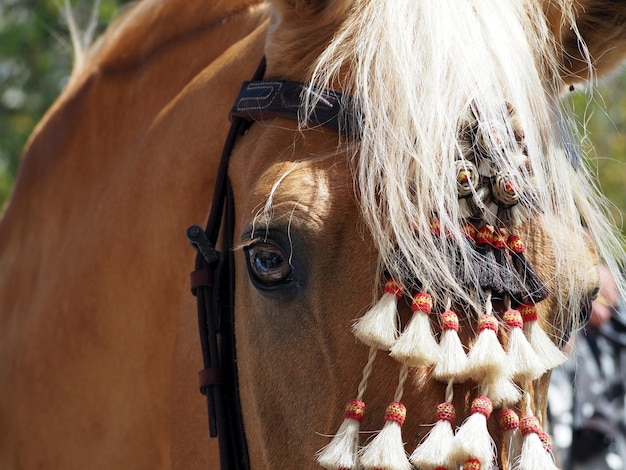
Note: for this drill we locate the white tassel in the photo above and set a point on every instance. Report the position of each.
(416, 346)
(386, 449)
(534, 456)
(452, 362)
(341, 452)
(434, 451)
(526, 364)
(487, 360)
(379, 326)
(509, 424)
(503, 392)
(472, 440)
(550, 355)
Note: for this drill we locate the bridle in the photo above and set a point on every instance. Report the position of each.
(213, 282)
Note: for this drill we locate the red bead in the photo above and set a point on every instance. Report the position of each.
(482, 405)
(484, 236)
(513, 319)
(422, 302)
(528, 312)
(509, 420)
(469, 231)
(529, 425)
(515, 244)
(395, 412)
(355, 410)
(449, 320)
(499, 240)
(393, 287)
(471, 464)
(446, 412)
(546, 440)
(487, 322)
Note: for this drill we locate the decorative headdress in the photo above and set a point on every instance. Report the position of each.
(510, 348)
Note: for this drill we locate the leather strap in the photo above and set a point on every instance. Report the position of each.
(262, 100)
(213, 284)
(200, 278)
(213, 280)
(207, 377)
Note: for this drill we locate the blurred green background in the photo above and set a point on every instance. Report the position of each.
(604, 113)
(35, 63)
(36, 58)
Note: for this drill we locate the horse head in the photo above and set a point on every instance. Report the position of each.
(325, 217)
(403, 279)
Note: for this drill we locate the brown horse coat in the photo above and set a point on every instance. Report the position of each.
(98, 347)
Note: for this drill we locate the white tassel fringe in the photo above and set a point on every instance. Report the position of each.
(534, 456)
(341, 452)
(379, 326)
(473, 440)
(434, 451)
(487, 360)
(526, 364)
(453, 361)
(550, 355)
(386, 449)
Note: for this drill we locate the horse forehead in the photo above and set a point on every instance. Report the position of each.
(284, 174)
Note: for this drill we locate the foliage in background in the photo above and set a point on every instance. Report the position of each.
(35, 63)
(36, 59)
(605, 116)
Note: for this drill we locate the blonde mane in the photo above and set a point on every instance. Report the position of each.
(415, 71)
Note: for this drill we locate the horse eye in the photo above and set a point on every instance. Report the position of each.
(267, 264)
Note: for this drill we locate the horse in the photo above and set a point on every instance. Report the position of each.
(434, 102)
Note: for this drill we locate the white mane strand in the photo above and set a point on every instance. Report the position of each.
(414, 69)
